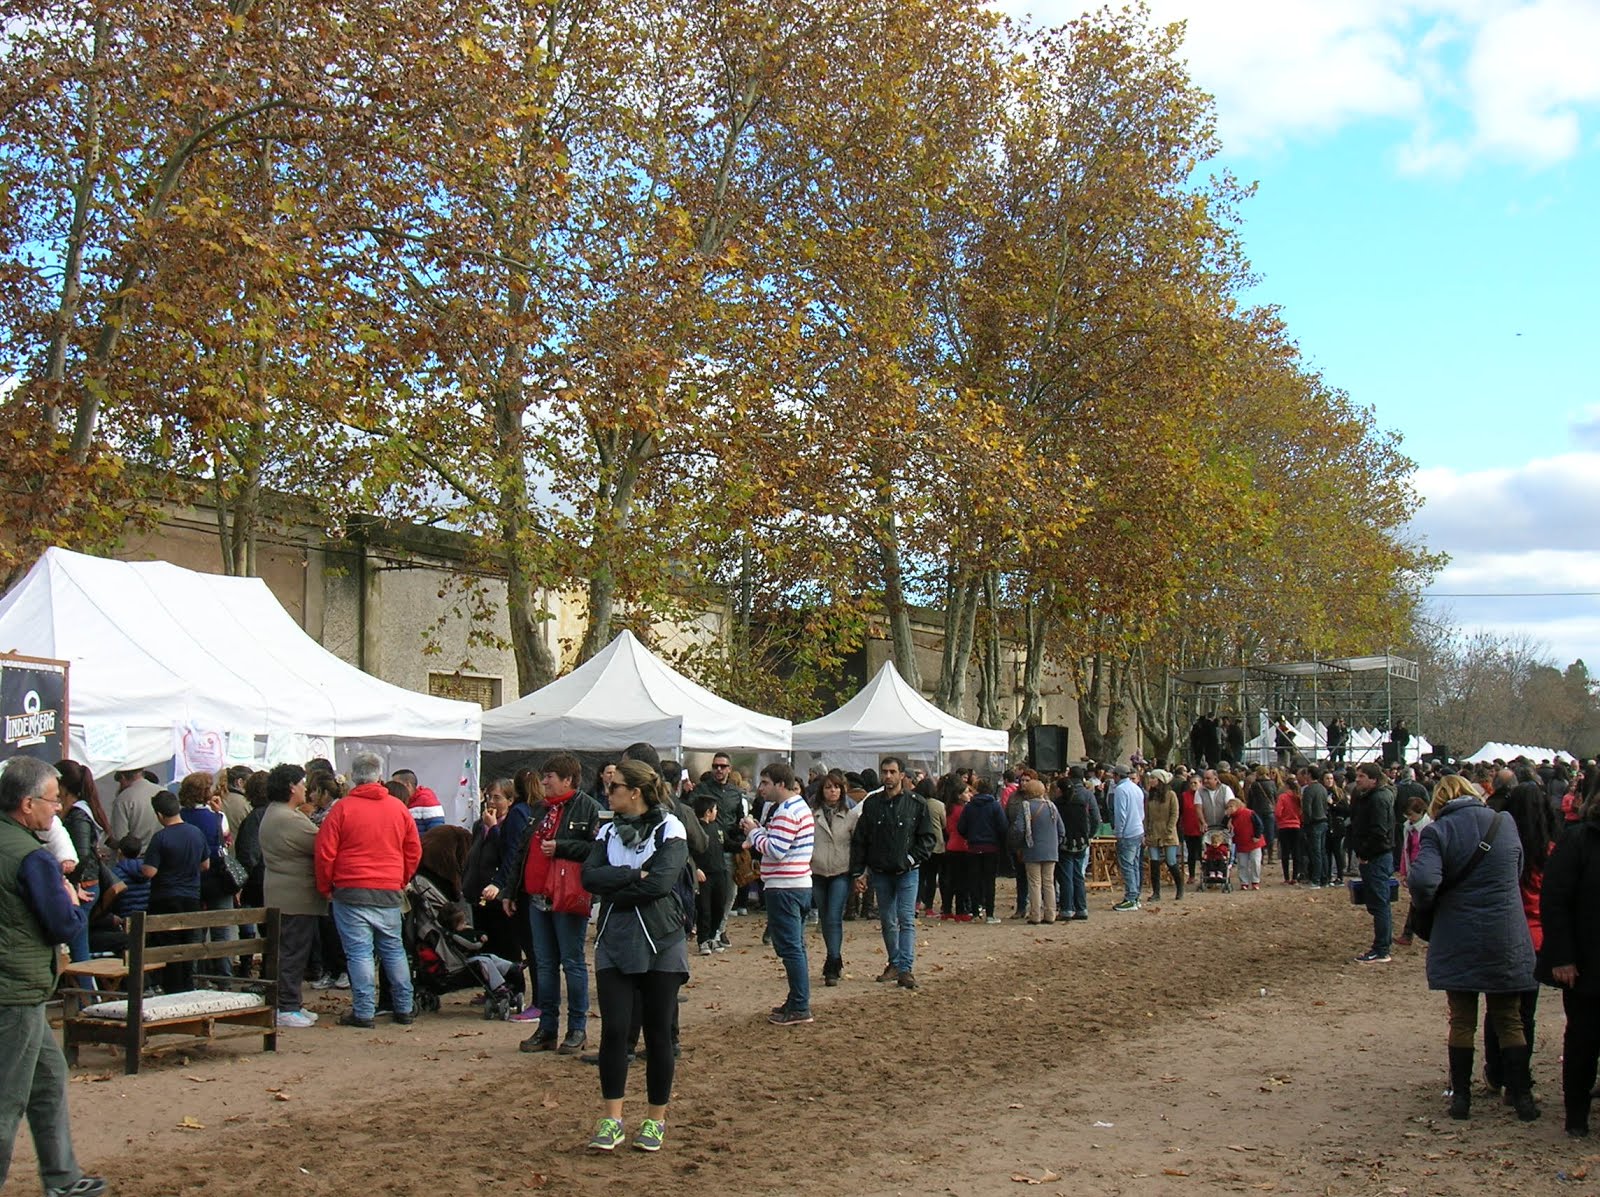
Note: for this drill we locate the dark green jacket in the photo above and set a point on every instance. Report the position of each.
(27, 957)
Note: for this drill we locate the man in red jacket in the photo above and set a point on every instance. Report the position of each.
(367, 849)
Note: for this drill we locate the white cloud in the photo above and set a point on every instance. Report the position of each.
(1508, 80)
(1522, 555)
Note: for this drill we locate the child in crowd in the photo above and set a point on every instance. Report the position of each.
(498, 973)
(1249, 837)
(1416, 820)
(715, 876)
(134, 897)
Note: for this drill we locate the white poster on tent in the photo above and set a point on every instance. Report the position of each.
(197, 749)
(287, 748)
(106, 741)
(318, 747)
(241, 748)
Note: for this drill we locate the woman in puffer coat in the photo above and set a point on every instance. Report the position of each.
(1480, 942)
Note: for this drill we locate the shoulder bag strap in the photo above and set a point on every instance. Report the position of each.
(1485, 845)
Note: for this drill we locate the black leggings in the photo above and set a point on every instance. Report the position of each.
(1194, 849)
(985, 867)
(1289, 851)
(659, 992)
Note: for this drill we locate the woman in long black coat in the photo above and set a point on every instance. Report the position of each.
(1570, 958)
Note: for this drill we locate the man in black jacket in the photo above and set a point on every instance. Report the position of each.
(1313, 826)
(892, 839)
(732, 806)
(1372, 828)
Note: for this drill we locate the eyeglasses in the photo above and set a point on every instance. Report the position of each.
(724, 765)
(47, 801)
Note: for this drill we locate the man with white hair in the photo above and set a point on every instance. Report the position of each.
(367, 849)
(38, 909)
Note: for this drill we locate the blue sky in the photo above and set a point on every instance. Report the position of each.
(1428, 219)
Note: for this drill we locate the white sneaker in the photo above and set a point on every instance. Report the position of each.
(297, 1019)
(706, 949)
(993, 921)
(342, 981)
(323, 982)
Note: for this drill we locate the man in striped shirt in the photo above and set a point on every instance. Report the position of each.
(784, 845)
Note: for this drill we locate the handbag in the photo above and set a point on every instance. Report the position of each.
(1422, 916)
(563, 887)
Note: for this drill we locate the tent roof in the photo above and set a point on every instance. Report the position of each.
(624, 694)
(888, 715)
(153, 645)
(1496, 751)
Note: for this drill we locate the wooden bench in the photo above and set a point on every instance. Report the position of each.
(129, 1023)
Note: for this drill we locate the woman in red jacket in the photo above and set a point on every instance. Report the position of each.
(1287, 816)
(1191, 823)
(957, 879)
(1531, 812)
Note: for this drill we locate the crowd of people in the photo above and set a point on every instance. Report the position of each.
(658, 864)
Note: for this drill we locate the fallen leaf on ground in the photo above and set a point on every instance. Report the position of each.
(189, 1123)
(549, 1101)
(280, 1095)
(1173, 1172)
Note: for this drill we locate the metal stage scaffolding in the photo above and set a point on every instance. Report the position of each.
(1371, 691)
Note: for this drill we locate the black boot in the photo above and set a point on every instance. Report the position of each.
(1515, 1063)
(1177, 881)
(1155, 883)
(832, 967)
(1460, 1082)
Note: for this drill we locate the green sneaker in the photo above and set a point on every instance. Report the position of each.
(650, 1135)
(608, 1135)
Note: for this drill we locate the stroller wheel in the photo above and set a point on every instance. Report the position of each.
(497, 1007)
(430, 1003)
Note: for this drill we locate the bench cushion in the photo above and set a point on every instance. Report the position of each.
(196, 1003)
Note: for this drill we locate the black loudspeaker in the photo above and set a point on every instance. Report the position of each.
(1047, 747)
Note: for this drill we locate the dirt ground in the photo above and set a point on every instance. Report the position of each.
(1223, 1043)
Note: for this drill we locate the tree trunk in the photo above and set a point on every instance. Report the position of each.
(1031, 708)
(613, 517)
(990, 683)
(960, 630)
(1158, 722)
(894, 600)
(1101, 685)
(536, 665)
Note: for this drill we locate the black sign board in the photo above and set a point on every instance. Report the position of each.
(33, 708)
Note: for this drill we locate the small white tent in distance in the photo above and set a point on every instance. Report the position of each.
(888, 718)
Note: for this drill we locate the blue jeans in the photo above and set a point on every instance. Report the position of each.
(558, 948)
(830, 894)
(1375, 875)
(365, 931)
(786, 920)
(1070, 873)
(223, 965)
(1130, 859)
(1315, 837)
(897, 916)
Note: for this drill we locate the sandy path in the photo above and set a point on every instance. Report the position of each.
(1153, 1022)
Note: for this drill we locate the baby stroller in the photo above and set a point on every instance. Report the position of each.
(1214, 861)
(443, 962)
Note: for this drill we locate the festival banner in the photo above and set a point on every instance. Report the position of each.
(33, 708)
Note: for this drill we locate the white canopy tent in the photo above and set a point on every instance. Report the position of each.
(888, 716)
(172, 669)
(1496, 751)
(625, 694)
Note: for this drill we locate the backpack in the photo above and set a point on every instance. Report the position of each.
(683, 885)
